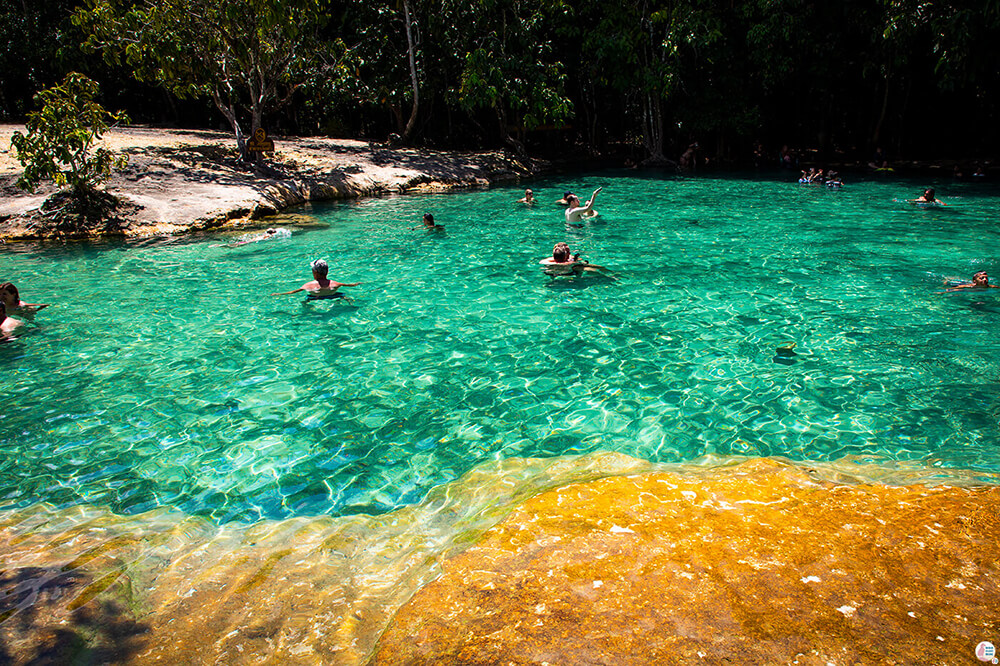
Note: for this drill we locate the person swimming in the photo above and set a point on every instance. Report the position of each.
(928, 198)
(575, 212)
(528, 198)
(321, 288)
(563, 263)
(430, 224)
(980, 280)
(267, 234)
(12, 299)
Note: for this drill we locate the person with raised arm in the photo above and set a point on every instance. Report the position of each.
(575, 213)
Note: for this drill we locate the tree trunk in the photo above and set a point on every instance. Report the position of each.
(230, 115)
(877, 132)
(255, 157)
(397, 114)
(652, 130)
(518, 147)
(411, 50)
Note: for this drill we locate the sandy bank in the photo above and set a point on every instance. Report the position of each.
(189, 180)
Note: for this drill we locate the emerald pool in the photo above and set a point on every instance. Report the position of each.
(165, 375)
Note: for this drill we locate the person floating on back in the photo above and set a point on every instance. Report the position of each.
(15, 306)
(321, 288)
(575, 212)
(562, 262)
(980, 280)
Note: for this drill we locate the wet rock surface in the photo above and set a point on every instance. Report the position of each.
(755, 565)
(179, 181)
(529, 561)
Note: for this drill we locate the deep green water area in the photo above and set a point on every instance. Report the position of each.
(164, 375)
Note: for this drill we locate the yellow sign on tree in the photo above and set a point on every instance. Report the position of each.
(260, 143)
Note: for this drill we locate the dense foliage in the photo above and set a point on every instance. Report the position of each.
(646, 78)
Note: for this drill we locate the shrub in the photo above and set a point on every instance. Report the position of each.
(58, 146)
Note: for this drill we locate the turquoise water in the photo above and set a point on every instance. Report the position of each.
(165, 375)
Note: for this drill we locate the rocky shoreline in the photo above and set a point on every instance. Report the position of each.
(182, 181)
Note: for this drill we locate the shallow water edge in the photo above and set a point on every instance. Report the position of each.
(757, 559)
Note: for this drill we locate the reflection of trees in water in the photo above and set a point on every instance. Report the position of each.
(48, 616)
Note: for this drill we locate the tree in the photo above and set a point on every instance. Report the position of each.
(249, 56)
(386, 57)
(638, 49)
(31, 34)
(60, 138)
(509, 67)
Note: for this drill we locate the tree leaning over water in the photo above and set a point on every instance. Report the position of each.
(249, 56)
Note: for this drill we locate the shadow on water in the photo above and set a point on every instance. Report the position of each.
(977, 301)
(986, 306)
(47, 617)
(323, 310)
(578, 283)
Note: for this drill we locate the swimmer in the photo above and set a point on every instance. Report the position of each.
(928, 198)
(979, 281)
(265, 235)
(689, 159)
(321, 288)
(878, 160)
(575, 212)
(528, 198)
(12, 299)
(8, 325)
(430, 224)
(562, 263)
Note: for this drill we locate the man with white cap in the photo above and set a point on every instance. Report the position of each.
(321, 288)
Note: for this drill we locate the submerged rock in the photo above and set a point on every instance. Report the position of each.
(756, 564)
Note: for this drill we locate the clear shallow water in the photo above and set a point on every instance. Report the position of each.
(164, 375)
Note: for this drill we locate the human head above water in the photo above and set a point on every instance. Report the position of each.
(320, 268)
(929, 193)
(561, 252)
(428, 219)
(9, 294)
(981, 278)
